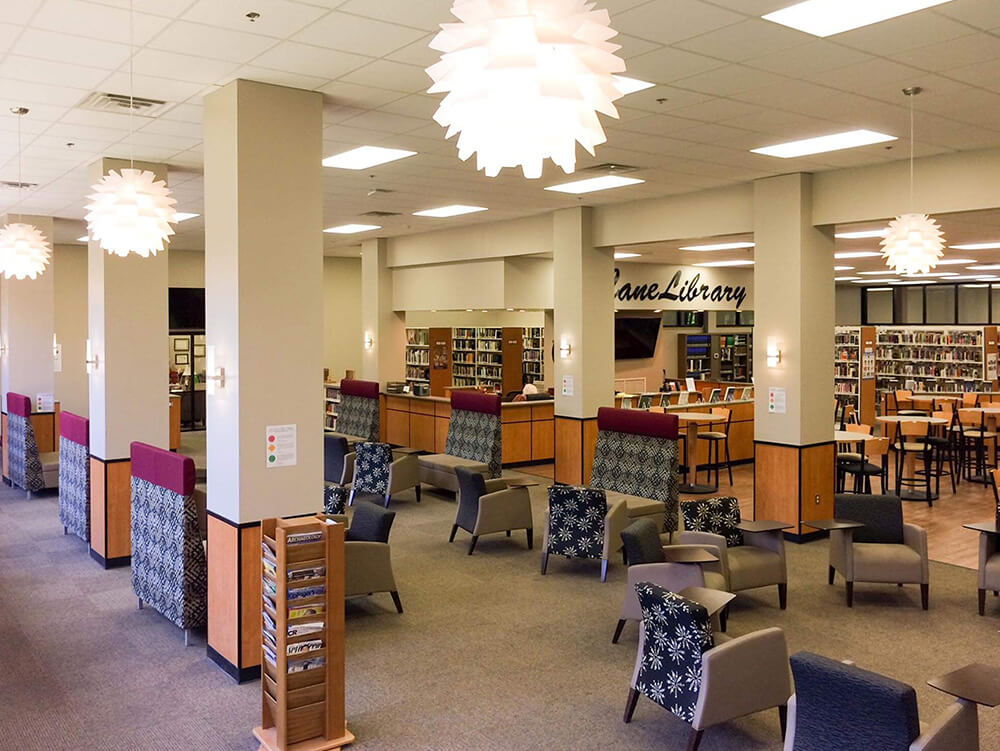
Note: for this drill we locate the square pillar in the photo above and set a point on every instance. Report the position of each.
(583, 373)
(264, 319)
(129, 386)
(794, 313)
(383, 330)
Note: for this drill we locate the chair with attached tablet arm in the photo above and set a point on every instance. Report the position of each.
(367, 554)
(489, 506)
(580, 523)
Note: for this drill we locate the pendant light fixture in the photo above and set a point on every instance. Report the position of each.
(524, 81)
(130, 211)
(915, 242)
(24, 251)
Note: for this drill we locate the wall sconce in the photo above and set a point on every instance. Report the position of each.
(56, 355)
(91, 359)
(773, 352)
(369, 341)
(565, 350)
(215, 377)
(4, 349)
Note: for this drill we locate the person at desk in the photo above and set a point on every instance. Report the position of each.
(530, 393)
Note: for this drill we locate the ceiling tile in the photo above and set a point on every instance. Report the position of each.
(276, 77)
(745, 40)
(982, 15)
(189, 68)
(209, 41)
(278, 18)
(358, 96)
(668, 64)
(385, 122)
(954, 53)
(15, 67)
(310, 60)
(426, 14)
(96, 21)
(902, 33)
(385, 74)
(151, 87)
(665, 23)
(69, 48)
(415, 105)
(417, 53)
(730, 79)
(8, 35)
(632, 46)
(806, 59)
(365, 36)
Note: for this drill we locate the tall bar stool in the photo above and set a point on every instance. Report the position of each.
(903, 399)
(715, 438)
(973, 441)
(970, 399)
(876, 450)
(911, 440)
(944, 445)
(849, 457)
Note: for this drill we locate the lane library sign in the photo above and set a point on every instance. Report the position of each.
(647, 286)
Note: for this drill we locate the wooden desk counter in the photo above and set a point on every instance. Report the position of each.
(421, 422)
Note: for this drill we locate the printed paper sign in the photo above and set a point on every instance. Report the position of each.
(45, 403)
(689, 382)
(281, 446)
(776, 401)
(567, 386)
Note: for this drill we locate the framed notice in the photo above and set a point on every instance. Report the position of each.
(991, 366)
(868, 363)
(282, 446)
(182, 344)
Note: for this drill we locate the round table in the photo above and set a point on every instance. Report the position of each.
(895, 420)
(690, 422)
(847, 436)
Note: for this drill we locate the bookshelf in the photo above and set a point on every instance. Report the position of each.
(735, 357)
(533, 356)
(489, 357)
(463, 356)
(847, 365)
(331, 404)
(694, 355)
(302, 635)
(418, 355)
(935, 359)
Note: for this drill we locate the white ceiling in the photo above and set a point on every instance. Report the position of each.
(730, 81)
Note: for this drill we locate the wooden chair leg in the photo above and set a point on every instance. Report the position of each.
(850, 594)
(924, 596)
(783, 595)
(982, 602)
(633, 698)
(621, 625)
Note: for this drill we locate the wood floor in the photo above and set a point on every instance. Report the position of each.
(947, 540)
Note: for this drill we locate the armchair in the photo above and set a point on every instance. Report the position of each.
(579, 524)
(367, 555)
(338, 459)
(989, 567)
(379, 473)
(884, 550)
(747, 560)
(474, 441)
(358, 416)
(28, 469)
(839, 706)
(488, 506)
(680, 666)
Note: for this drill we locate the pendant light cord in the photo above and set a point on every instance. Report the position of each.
(912, 147)
(131, 85)
(20, 182)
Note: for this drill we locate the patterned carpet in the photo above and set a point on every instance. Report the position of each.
(488, 655)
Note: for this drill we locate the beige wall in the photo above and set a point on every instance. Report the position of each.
(186, 268)
(342, 315)
(515, 237)
(71, 327)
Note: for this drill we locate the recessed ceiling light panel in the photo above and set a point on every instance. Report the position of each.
(364, 157)
(722, 264)
(850, 139)
(720, 246)
(862, 234)
(444, 212)
(823, 18)
(350, 229)
(976, 246)
(593, 184)
(857, 254)
(622, 256)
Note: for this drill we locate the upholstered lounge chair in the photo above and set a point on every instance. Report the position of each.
(358, 413)
(28, 470)
(488, 506)
(703, 678)
(474, 441)
(580, 523)
(379, 474)
(74, 474)
(367, 555)
(635, 462)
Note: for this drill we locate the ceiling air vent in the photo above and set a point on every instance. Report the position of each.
(609, 168)
(101, 101)
(381, 214)
(14, 184)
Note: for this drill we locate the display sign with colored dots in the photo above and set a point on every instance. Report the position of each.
(281, 445)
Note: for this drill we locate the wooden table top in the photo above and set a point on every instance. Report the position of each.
(976, 683)
(674, 554)
(914, 418)
(521, 483)
(713, 600)
(989, 528)
(832, 524)
(763, 526)
(698, 417)
(933, 399)
(846, 436)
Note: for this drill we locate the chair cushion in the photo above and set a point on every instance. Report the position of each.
(49, 460)
(636, 507)
(881, 562)
(712, 435)
(370, 523)
(751, 567)
(642, 542)
(714, 580)
(882, 516)
(448, 463)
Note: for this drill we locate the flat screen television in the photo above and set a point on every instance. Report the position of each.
(187, 308)
(635, 338)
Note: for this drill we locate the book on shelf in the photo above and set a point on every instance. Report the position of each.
(301, 647)
(309, 572)
(302, 629)
(304, 593)
(303, 611)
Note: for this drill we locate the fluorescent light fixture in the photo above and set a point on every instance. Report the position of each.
(620, 256)
(955, 261)
(846, 278)
(843, 268)
(84, 239)
(350, 229)
(984, 267)
(976, 246)
(850, 139)
(443, 212)
(929, 274)
(364, 157)
(720, 246)
(882, 272)
(856, 254)
(721, 264)
(823, 18)
(596, 183)
(977, 277)
(874, 281)
(907, 284)
(862, 234)
(183, 216)
(628, 85)
(880, 289)
(976, 286)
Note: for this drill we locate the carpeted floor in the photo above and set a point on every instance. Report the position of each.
(488, 655)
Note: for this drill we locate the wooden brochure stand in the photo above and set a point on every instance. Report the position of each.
(302, 709)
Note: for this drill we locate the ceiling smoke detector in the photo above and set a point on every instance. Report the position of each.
(381, 213)
(101, 101)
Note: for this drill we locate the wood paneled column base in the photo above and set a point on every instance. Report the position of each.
(794, 484)
(576, 439)
(234, 605)
(111, 511)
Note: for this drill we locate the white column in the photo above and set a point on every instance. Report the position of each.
(383, 329)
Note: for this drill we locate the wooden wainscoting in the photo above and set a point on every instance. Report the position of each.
(111, 511)
(794, 484)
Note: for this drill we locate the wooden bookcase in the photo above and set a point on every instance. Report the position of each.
(441, 367)
(534, 355)
(331, 406)
(418, 357)
(513, 353)
(303, 710)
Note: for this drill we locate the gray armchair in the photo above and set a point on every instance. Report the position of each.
(989, 567)
(747, 560)
(367, 555)
(884, 550)
(581, 524)
(839, 706)
(488, 506)
(709, 679)
(338, 460)
(380, 473)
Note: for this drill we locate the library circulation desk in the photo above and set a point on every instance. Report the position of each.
(421, 422)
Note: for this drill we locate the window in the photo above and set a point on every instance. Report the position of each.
(940, 304)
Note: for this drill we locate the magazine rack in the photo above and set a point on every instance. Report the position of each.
(302, 635)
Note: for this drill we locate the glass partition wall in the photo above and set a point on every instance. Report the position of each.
(968, 303)
(186, 350)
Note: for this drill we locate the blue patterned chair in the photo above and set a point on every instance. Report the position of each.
(838, 707)
(747, 560)
(580, 524)
(703, 678)
(169, 569)
(28, 469)
(474, 441)
(379, 474)
(636, 461)
(74, 474)
(358, 413)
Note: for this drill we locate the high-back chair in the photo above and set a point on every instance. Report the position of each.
(475, 441)
(636, 461)
(747, 559)
(358, 415)
(903, 399)
(488, 506)
(74, 474)
(28, 470)
(338, 459)
(883, 550)
(379, 474)
(970, 399)
(580, 523)
(974, 439)
(912, 441)
(838, 706)
(874, 464)
(169, 569)
(701, 679)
